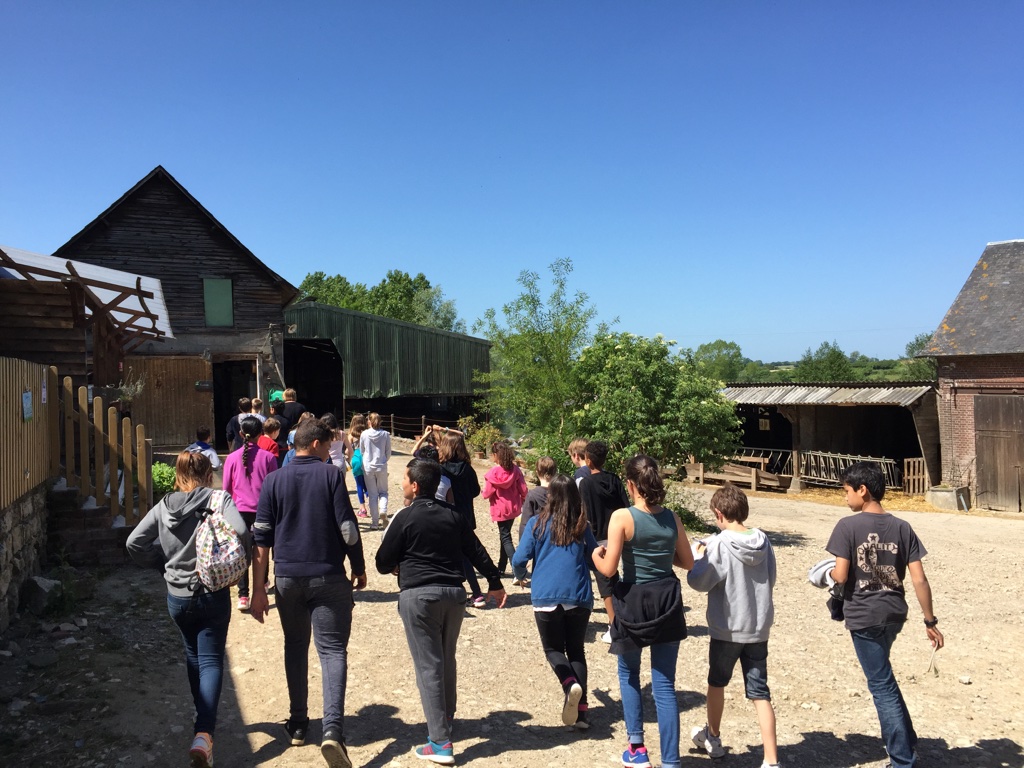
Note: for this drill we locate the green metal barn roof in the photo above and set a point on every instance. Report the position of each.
(390, 358)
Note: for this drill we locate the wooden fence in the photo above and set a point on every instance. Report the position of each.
(26, 457)
(51, 430)
(914, 477)
(103, 452)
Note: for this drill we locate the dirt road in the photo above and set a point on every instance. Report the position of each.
(118, 694)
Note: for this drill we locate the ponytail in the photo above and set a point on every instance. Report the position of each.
(251, 430)
(645, 475)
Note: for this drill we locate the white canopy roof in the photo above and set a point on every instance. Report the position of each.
(134, 303)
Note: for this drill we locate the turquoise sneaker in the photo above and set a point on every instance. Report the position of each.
(442, 754)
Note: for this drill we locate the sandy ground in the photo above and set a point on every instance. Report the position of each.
(118, 694)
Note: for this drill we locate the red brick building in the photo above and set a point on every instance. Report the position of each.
(980, 351)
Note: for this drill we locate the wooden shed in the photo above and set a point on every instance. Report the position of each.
(226, 307)
(81, 318)
(979, 347)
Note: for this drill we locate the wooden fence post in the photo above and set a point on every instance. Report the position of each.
(53, 414)
(145, 470)
(67, 399)
(100, 443)
(392, 425)
(115, 487)
(83, 440)
(149, 469)
(129, 480)
(423, 424)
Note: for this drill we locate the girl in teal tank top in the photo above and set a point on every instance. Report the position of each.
(649, 540)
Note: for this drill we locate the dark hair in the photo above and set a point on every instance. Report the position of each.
(731, 502)
(244, 405)
(564, 511)
(251, 428)
(271, 425)
(426, 474)
(504, 453)
(203, 434)
(331, 421)
(452, 447)
(191, 471)
(597, 453)
(868, 474)
(428, 451)
(546, 468)
(309, 431)
(277, 406)
(645, 475)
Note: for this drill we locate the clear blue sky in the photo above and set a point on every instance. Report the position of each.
(771, 173)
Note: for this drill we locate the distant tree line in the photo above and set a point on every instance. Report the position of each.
(398, 296)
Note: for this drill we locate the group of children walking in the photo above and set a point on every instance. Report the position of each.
(591, 524)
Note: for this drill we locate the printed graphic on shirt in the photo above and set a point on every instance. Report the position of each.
(882, 578)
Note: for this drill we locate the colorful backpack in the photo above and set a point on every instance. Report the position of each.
(220, 555)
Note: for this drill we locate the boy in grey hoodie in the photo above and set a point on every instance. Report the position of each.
(737, 571)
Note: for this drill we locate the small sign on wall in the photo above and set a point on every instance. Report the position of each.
(204, 385)
(26, 405)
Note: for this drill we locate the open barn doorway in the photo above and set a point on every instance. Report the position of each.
(316, 371)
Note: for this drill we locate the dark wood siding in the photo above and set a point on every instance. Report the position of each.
(999, 447)
(38, 322)
(170, 406)
(159, 232)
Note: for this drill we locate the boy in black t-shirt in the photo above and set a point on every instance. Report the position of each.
(873, 552)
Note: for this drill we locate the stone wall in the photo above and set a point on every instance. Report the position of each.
(22, 548)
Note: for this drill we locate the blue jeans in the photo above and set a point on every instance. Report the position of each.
(203, 622)
(663, 687)
(872, 646)
(321, 606)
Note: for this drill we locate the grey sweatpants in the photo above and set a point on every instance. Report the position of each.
(432, 616)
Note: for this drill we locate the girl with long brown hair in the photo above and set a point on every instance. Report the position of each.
(458, 468)
(559, 542)
(505, 489)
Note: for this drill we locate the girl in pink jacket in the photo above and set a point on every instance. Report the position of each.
(505, 488)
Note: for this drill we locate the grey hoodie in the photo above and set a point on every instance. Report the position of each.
(166, 537)
(375, 446)
(738, 573)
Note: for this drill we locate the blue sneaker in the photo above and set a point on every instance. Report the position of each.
(637, 759)
(442, 754)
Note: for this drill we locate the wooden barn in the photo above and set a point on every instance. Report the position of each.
(809, 433)
(342, 361)
(81, 318)
(980, 352)
(226, 307)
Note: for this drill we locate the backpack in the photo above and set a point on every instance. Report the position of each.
(220, 555)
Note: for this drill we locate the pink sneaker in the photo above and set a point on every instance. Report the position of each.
(243, 604)
(201, 753)
(362, 513)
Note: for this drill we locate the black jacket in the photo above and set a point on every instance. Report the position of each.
(465, 487)
(646, 614)
(602, 494)
(427, 542)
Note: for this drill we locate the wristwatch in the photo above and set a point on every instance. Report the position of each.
(931, 623)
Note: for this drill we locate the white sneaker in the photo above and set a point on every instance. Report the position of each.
(607, 636)
(766, 764)
(703, 739)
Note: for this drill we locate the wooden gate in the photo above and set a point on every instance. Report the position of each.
(171, 406)
(999, 447)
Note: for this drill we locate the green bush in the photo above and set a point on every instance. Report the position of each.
(163, 478)
(689, 506)
(480, 436)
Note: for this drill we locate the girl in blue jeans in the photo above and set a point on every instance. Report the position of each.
(648, 539)
(166, 539)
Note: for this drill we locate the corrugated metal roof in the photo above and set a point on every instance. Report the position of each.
(391, 358)
(123, 308)
(824, 394)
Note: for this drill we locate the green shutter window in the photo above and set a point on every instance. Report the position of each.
(220, 312)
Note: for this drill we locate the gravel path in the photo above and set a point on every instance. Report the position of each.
(509, 704)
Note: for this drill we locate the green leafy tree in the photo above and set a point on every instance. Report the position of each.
(722, 360)
(535, 344)
(827, 363)
(641, 398)
(399, 296)
(914, 368)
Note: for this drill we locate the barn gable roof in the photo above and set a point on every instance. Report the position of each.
(987, 317)
(289, 292)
